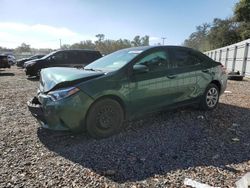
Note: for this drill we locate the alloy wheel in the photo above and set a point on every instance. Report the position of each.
(212, 97)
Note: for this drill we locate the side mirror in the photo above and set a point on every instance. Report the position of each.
(138, 69)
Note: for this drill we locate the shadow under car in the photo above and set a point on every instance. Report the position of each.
(160, 143)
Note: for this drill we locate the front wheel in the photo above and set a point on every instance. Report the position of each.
(210, 98)
(104, 118)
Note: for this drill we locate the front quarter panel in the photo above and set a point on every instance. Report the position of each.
(109, 84)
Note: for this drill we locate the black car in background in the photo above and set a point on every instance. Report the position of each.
(62, 58)
(21, 62)
(4, 63)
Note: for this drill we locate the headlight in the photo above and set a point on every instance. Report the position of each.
(62, 93)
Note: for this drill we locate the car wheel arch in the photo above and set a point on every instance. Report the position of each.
(217, 83)
(113, 97)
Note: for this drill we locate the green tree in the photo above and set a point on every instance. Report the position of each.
(100, 37)
(87, 44)
(108, 46)
(65, 46)
(145, 40)
(23, 48)
(242, 16)
(244, 30)
(223, 33)
(140, 41)
(136, 41)
(242, 11)
(199, 39)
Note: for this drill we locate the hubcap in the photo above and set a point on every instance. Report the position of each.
(105, 118)
(212, 97)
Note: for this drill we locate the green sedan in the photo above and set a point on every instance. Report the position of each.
(125, 84)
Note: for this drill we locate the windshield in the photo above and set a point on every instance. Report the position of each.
(34, 57)
(114, 61)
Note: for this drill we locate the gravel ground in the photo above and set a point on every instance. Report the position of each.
(159, 150)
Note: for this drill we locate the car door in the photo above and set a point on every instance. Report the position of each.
(85, 58)
(60, 59)
(184, 74)
(151, 90)
(74, 58)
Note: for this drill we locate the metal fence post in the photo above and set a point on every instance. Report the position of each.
(215, 54)
(226, 58)
(234, 58)
(220, 55)
(244, 65)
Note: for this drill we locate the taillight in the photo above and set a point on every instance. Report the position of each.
(223, 69)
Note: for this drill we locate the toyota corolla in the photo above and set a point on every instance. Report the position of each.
(124, 84)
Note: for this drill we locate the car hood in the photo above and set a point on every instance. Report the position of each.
(55, 78)
(23, 59)
(29, 62)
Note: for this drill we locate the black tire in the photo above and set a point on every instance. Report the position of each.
(237, 78)
(38, 73)
(104, 118)
(210, 98)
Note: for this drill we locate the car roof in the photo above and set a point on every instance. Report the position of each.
(69, 50)
(143, 48)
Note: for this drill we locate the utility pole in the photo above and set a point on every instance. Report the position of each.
(163, 39)
(60, 43)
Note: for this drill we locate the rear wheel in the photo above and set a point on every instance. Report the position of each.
(104, 118)
(210, 98)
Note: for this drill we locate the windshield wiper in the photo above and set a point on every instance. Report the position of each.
(91, 69)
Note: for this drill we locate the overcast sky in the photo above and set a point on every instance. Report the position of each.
(41, 23)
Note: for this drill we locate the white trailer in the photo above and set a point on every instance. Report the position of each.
(235, 57)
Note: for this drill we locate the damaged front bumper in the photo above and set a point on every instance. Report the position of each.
(65, 114)
(35, 107)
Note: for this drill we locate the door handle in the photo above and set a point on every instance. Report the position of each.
(171, 76)
(205, 70)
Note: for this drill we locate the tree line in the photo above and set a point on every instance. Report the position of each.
(222, 32)
(106, 46)
(25, 48)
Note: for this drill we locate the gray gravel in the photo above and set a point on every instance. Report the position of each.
(158, 150)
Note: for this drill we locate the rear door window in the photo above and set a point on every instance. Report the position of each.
(184, 58)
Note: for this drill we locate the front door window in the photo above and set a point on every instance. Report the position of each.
(156, 61)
